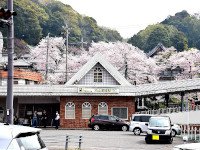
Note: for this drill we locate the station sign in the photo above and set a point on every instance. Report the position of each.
(98, 90)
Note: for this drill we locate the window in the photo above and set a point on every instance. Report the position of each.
(145, 118)
(102, 117)
(113, 118)
(86, 110)
(27, 81)
(98, 75)
(15, 81)
(103, 108)
(121, 112)
(70, 110)
(136, 118)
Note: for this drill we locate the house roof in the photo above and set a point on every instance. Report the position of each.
(159, 88)
(21, 62)
(156, 49)
(98, 58)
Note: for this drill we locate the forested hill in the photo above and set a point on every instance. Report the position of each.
(181, 31)
(36, 18)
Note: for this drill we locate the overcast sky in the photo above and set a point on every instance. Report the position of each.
(130, 16)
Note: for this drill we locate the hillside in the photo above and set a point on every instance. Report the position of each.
(181, 31)
(36, 18)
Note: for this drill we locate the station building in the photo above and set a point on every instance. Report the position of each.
(97, 88)
(94, 89)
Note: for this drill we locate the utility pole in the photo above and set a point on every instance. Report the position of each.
(66, 33)
(126, 67)
(82, 43)
(9, 99)
(47, 58)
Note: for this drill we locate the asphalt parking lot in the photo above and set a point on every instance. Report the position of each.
(101, 140)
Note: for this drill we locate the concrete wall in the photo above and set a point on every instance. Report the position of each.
(191, 117)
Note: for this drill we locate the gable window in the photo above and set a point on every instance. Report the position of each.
(103, 108)
(86, 110)
(98, 75)
(70, 111)
(121, 112)
(27, 81)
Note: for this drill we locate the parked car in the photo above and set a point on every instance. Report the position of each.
(18, 137)
(137, 123)
(159, 129)
(189, 146)
(109, 122)
(176, 130)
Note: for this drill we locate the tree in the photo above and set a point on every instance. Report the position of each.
(129, 60)
(188, 24)
(166, 34)
(54, 48)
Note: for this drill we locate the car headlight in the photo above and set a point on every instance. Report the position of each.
(168, 132)
(149, 131)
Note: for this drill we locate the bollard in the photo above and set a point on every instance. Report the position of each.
(67, 141)
(80, 141)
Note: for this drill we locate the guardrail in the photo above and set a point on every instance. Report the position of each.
(169, 110)
(192, 132)
(73, 139)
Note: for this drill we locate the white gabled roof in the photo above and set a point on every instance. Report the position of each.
(98, 58)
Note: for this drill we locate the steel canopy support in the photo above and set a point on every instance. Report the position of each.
(182, 100)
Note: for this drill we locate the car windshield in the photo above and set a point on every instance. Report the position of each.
(4, 143)
(30, 141)
(159, 122)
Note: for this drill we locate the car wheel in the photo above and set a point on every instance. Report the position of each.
(124, 128)
(147, 141)
(96, 127)
(137, 131)
(173, 133)
(170, 140)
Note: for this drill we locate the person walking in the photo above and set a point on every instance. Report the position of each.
(44, 118)
(35, 119)
(57, 118)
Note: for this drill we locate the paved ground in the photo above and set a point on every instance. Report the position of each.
(101, 140)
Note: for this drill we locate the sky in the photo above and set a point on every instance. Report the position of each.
(130, 16)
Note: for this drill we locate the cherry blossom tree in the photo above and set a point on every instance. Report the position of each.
(129, 60)
(189, 61)
(132, 62)
(50, 54)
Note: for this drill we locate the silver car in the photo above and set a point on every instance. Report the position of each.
(176, 130)
(16, 137)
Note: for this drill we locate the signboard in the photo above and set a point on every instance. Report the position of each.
(98, 90)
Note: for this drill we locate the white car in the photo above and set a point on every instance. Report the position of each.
(138, 123)
(189, 146)
(16, 137)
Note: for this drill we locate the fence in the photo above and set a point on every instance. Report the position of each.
(191, 131)
(169, 110)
